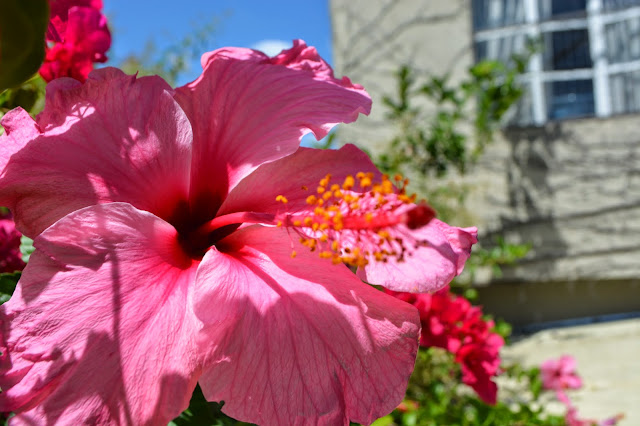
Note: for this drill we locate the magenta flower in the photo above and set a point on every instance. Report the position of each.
(559, 374)
(10, 257)
(183, 237)
(450, 322)
(78, 37)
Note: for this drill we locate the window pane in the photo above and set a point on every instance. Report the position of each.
(567, 50)
(623, 41)
(619, 4)
(562, 9)
(625, 92)
(497, 13)
(572, 98)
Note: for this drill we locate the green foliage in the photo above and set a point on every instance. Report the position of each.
(26, 248)
(29, 95)
(22, 31)
(501, 253)
(430, 147)
(8, 282)
(204, 413)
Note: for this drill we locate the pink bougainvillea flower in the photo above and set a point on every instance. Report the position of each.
(572, 419)
(10, 257)
(180, 239)
(78, 37)
(558, 374)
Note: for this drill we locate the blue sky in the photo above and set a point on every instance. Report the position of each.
(244, 23)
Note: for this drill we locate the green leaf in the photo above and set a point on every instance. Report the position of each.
(22, 30)
(203, 413)
(383, 421)
(8, 281)
(26, 248)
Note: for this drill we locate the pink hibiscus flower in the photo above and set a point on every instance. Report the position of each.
(183, 237)
(78, 37)
(559, 374)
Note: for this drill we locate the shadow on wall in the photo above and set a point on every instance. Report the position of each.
(532, 200)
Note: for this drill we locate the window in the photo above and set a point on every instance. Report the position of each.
(589, 63)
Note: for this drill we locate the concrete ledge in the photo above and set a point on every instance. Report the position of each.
(527, 304)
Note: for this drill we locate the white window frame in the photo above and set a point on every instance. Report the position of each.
(594, 22)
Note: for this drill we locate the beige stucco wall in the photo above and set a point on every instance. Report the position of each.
(571, 188)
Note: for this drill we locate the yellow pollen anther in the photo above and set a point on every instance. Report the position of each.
(325, 181)
(279, 224)
(293, 254)
(308, 221)
(384, 234)
(324, 238)
(297, 223)
(349, 181)
(327, 195)
(311, 199)
(365, 182)
(282, 199)
(335, 187)
(320, 189)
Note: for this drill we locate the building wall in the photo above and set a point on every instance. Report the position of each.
(571, 188)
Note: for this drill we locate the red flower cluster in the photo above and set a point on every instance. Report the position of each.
(77, 37)
(10, 258)
(452, 323)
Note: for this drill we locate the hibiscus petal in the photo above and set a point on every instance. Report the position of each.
(100, 330)
(290, 175)
(247, 109)
(311, 344)
(428, 268)
(115, 138)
